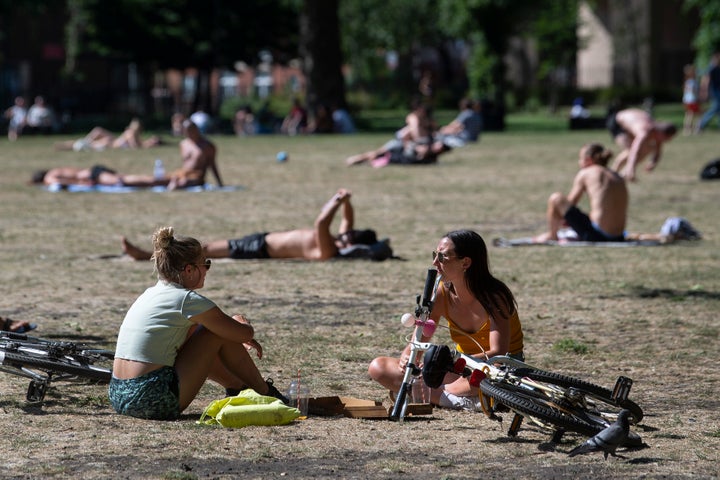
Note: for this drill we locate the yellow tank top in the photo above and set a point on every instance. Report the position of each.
(465, 343)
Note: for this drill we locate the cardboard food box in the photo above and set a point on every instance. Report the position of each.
(359, 408)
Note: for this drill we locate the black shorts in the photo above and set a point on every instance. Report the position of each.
(249, 247)
(613, 126)
(98, 170)
(587, 231)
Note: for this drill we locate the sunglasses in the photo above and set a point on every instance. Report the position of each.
(206, 264)
(441, 257)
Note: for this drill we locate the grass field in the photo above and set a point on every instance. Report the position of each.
(648, 313)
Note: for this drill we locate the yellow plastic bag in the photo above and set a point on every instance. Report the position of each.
(248, 408)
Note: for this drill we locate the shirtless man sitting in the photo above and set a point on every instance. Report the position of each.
(198, 155)
(608, 196)
(639, 135)
(315, 243)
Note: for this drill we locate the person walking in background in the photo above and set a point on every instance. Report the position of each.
(690, 100)
(710, 90)
(16, 115)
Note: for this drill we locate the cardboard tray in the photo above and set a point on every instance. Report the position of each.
(359, 408)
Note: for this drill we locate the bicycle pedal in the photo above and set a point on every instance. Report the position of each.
(515, 425)
(621, 390)
(36, 391)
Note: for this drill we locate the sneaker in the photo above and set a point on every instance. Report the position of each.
(232, 392)
(274, 392)
(470, 404)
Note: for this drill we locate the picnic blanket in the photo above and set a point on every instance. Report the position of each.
(123, 189)
(529, 242)
(674, 228)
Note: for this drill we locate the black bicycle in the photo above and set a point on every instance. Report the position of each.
(46, 361)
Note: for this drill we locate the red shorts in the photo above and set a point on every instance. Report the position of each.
(692, 107)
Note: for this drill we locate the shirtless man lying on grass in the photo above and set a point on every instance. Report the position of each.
(316, 243)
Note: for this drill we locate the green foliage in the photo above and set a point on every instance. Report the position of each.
(707, 37)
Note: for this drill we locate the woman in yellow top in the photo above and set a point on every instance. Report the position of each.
(473, 302)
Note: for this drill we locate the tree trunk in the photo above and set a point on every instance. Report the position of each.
(322, 57)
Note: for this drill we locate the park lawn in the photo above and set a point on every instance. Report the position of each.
(647, 313)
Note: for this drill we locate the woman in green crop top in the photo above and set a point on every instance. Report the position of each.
(476, 305)
(173, 339)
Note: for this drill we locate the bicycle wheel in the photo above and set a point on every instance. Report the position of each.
(534, 406)
(598, 393)
(66, 366)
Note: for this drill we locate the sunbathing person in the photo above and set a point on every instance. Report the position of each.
(412, 144)
(102, 139)
(608, 196)
(316, 243)
(197, 152)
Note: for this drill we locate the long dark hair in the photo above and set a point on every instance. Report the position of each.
(495, 297)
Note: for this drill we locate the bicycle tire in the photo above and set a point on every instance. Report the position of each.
(535, 407)
(54, 365)
(596, 391)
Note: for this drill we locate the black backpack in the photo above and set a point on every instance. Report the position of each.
(711, 171)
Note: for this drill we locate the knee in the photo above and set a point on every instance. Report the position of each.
(375, 369)
(556, 199)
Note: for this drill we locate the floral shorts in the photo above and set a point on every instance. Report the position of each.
(154, 395)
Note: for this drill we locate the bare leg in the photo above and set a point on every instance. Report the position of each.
(135, 252)
(217, 249)
(363, 157)
(198, 356)
(557, 206)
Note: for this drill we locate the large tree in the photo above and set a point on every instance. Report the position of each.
(321, 53)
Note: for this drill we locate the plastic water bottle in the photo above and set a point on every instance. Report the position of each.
(159, 169)
(299, 395)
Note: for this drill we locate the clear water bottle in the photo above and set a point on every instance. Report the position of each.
(159, 169)
(299, 395)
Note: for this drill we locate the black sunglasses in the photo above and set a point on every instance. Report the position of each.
(207, 264)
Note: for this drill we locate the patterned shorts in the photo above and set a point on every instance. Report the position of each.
(154, 396)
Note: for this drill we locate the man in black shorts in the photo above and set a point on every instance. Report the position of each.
(316, 243)
(608, 196)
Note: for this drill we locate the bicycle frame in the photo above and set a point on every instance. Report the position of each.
(423, 324)
(44, 361)
(552, 401)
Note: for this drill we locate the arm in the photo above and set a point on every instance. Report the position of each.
(235, 329)
(639, 145)
(214, 168)
(578, 188)
(348, 216)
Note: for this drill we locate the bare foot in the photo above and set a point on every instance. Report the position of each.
(356, 159)
(543, 238)
(133, 251)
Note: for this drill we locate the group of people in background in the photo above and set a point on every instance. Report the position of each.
(39, 118)
(421, 141)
